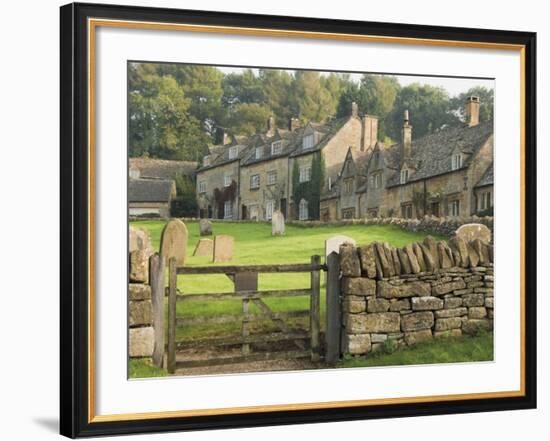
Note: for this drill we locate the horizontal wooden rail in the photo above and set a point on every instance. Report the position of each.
(237, 340)
(264, 356)
(243, 295)
(237, 318)
(233, 269)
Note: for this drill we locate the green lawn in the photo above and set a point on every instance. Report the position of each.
(445, 350)
(144, 368)
(255, 245)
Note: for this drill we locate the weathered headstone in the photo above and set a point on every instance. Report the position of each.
(332, 244)
(277, 224)
(223, 248)
(205, 227)
(173, 241)
(204, 247)
(469, 232)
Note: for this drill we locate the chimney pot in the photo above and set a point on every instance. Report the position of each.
(406, 142)
(472, 110)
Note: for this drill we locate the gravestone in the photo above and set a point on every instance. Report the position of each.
(223, 248)
(277, 224)
(205, 227)
(470, 232)
(333, 243)
(204, 247)
(173, 241)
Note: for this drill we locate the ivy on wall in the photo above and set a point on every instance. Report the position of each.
(310, 190)
(228, 193)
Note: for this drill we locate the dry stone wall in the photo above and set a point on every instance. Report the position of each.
(140, 305)
(402, 296)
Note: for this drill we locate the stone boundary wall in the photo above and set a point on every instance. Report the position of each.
(402, 296)
(428, 224)
(141, 334)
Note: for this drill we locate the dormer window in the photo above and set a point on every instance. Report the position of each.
(276, 147)
(456, 161)
(206, 160)
(259, 152)
(404, 176)
(232, 152)
(307, 142)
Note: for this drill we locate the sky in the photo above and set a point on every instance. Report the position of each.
(454, 86)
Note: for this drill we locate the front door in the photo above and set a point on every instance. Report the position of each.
(283, 207)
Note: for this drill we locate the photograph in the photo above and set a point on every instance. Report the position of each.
(288, 219)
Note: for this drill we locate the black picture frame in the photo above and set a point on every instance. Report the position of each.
(76, 420)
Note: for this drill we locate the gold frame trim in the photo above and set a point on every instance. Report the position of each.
(92, 25)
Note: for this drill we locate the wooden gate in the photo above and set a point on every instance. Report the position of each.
(306, 344)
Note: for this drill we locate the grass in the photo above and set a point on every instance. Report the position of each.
(144, 368)
(255, 245)
(444, 350)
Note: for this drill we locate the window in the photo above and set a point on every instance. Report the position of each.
(276, 147)
(404, 176)
(254, 182)
(305, 173)
(307, 142)
(259, 152)
(272, 177)
(348, 186)
(484, 201)
(434, 209)
(227, 210)
(269, 207)
(202, 187)
(227, 180)
(372, 213)
(407, 211)
(253, 212)
(303, 212)
(456, 161)
(348, 213)
(232, 152)
(376, 180)
(454, 208)
(206, 160)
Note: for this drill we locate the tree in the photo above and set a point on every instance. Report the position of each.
(247, 119)
(277, 88)
(185, 204)
(160, 122)
(240, 88)
(375, 95)
(312, 100)
(486, 98)
(429, 110)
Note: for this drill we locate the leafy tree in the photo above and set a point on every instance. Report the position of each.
(486, 98)
(160, 122)
(429, 110)
(311, 99)
(247, 119)
(185, 203)
(277, 86)
(240, 88)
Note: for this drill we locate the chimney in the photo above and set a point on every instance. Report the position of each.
(354, 109)
(369, 134)
(472, 111)
(271, 125)
(406, 142)
(293, 124)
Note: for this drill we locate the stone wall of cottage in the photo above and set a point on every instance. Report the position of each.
(141, 333)
(402, 296)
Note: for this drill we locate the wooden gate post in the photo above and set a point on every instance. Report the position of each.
(171, 362)
(156, 270)
(315, 308)
(333, 310)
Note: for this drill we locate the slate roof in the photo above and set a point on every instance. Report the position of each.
(289, 140)
(162, 168)
(360, 160)
(487, 178)
(326, 130)
(431, 155)
(150, 190)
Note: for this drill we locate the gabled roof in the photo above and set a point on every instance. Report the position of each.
(487, 178)
(325, 130)
(431, 155)
(358, 161)
(150, 190)
(288, 140)
(162, 168)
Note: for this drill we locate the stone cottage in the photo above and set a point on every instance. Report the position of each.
(150, 197)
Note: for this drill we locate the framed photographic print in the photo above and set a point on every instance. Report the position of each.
(274, 220)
